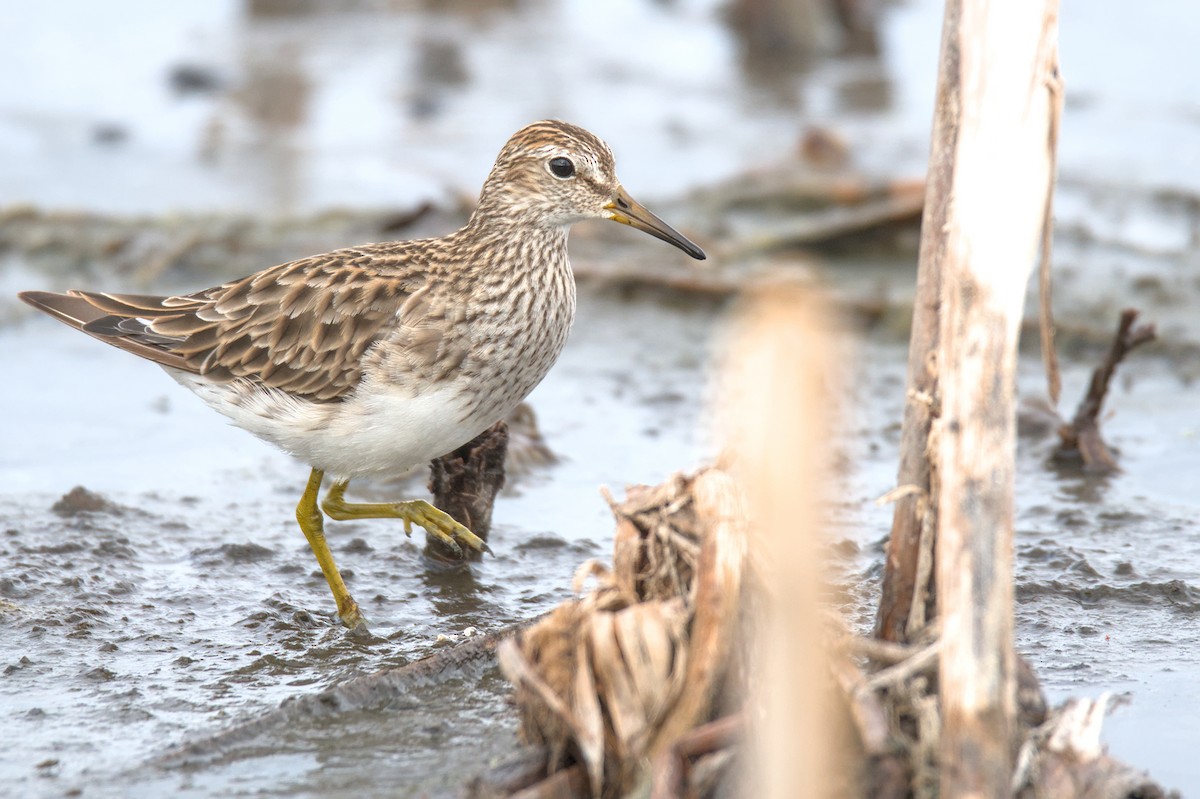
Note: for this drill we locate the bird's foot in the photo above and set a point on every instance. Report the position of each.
(440, 525)
(437, 523)
(313, 528)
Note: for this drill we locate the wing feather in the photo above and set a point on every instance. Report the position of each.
(302, 326)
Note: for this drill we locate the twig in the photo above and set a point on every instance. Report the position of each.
(888, 777)
(672, 766)
(570, 783)
(1082, 434)
(866, 711)
(901, 672)
(878, 650)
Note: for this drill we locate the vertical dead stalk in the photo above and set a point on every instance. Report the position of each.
(1054, 83)
(778, 423)
(901, 583)
(1003, 57)
(986, 207)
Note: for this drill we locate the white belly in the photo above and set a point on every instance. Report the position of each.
(380, 433)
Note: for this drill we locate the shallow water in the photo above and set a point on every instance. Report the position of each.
(195, 601)
(194, 607)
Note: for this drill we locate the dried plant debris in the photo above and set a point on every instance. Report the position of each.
(465, 482)
(891, 690)
(1064, 759)
(621, 676)
(595, 679)
(657, 542)
(640, 686)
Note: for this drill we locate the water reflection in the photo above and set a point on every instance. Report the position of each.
(779, 41)
(455, 592)
(440, 70)
(274, 98)
(1078, 484)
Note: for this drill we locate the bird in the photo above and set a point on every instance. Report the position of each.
(369, 360)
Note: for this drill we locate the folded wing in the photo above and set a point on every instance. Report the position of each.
(302, 326)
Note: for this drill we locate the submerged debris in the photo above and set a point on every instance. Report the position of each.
(80, 500)
(388, 687)
(1081, 435)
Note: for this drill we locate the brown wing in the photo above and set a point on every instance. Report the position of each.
(301, 326)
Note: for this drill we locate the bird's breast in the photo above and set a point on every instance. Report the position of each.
(490, 345)
(521, 340)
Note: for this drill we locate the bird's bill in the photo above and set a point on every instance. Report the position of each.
(628, 211)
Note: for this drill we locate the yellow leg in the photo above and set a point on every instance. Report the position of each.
(438, 524)
(314, 530)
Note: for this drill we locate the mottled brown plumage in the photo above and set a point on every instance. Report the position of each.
(302, 327)
(371, 359)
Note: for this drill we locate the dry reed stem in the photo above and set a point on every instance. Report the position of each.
(778, 418)
(1054, 83)
(995, 108)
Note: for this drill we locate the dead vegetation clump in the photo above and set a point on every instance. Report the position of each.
(703, 662)
(614, 681)
(646, 684)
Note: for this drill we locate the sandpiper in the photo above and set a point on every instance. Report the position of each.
(368, 360)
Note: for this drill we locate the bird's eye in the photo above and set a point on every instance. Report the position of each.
(562, 168)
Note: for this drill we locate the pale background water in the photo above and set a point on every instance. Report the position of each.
(197, 607)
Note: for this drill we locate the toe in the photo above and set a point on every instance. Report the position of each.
(449, 542)
(471, 540)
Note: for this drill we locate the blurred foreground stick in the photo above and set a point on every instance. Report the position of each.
(1082, 434)
(778, 421)
(674, 771)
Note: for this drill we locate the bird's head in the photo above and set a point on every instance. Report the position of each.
(554, 174)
